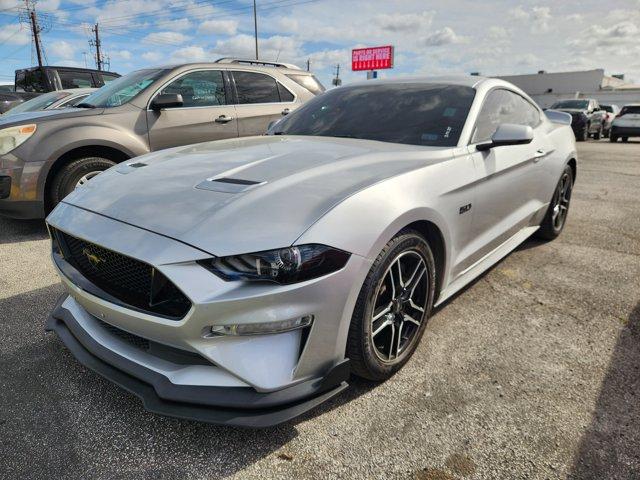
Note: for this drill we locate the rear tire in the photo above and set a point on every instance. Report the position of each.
(74, 173)
(583, 135)
(613, 138)
(400, 284)
(556, 216)
(625, 139)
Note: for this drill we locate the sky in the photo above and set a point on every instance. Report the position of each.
(492, 37)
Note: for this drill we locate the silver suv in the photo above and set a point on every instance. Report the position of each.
(45, 155)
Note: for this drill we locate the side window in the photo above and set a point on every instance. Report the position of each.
(71, 79)
(530, 114)
(199, 89)
(256, 88)
(285, 94)
(106, 78)
(503, 106)
(73, 102)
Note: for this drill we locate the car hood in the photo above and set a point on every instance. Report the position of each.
(45, 115)
(280, 186)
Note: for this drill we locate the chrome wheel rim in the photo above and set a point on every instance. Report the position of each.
(85, 178)
(562, 198)
(399, 307)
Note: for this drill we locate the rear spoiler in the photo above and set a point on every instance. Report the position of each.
(561, 118)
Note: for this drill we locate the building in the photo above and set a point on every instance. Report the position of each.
(546, 88)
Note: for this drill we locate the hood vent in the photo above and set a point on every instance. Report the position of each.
(228, 185)
(128, 167)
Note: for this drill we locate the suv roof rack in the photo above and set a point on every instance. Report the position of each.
(261, 63)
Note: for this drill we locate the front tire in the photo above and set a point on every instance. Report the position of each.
(556, 216)
(583, 135)
(598, 134)
(75, 174)
(392, 308)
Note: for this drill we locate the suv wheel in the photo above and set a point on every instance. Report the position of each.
(75, 174)
(393, 307)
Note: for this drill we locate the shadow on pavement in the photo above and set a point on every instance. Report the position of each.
(14, 231)
(610, 447)
(78, 425)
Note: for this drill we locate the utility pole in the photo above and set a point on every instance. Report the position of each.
(308, 64)
(255, 26)
(35, 28)
(337, 81)
(96, 43)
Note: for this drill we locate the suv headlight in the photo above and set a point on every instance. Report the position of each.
(12, 137)
(284, 266)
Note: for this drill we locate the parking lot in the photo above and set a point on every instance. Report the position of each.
(531, 372)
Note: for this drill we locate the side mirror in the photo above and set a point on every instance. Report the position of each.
(167, 100)
(508, 134)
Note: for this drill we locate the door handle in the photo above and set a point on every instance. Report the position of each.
(223, 119)
(286, 111)
(539, 154)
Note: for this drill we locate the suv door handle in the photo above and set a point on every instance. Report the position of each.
(223, 119)
(286, 111)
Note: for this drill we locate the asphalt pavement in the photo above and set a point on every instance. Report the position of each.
(533, 371)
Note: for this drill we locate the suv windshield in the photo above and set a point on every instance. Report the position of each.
(581, 104)
(122, 90)
(410, 113)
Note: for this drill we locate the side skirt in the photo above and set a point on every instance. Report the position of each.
(475, 270)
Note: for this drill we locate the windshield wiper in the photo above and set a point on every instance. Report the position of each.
(85, 105)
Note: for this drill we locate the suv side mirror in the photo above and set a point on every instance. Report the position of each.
(167, 100)
(508, 134)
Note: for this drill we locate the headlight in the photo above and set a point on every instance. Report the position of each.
(12, 137)
(284, 266)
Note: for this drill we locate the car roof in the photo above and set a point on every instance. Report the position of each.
(632, 104)
(77, 91)
(243, 65)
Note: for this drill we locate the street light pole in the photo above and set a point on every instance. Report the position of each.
(255, 25)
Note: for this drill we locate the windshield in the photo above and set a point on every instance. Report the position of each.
(39, 103)
(122, 90)
(580, 104)
(409, 113)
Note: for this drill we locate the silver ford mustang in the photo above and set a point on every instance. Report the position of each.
(242, 281)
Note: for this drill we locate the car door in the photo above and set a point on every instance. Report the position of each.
(206, 113)
(261, 99)
(511, 187)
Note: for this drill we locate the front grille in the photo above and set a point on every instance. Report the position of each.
(130, 338)
(132, 282)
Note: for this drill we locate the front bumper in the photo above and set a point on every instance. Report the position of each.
(24, 198)
(236, 406)
(292, 365)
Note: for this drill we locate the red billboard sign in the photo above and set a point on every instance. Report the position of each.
(374, 58)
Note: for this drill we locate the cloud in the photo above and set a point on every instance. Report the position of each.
(276, 47)
(167, 38)
(121, 54)
(218, 27)
(14, 35)
(178, 25)
(191, 53)
(152, 57)
(404, 22)
(62, 50)
(498, 33)
(446, 36)
(537, 17)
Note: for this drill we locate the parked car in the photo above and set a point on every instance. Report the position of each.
(147, 110)
(626, 124)
(588, 117)
(52, 101)
(6, 87)
(242, 281)
(611, 111)
(34, 81)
